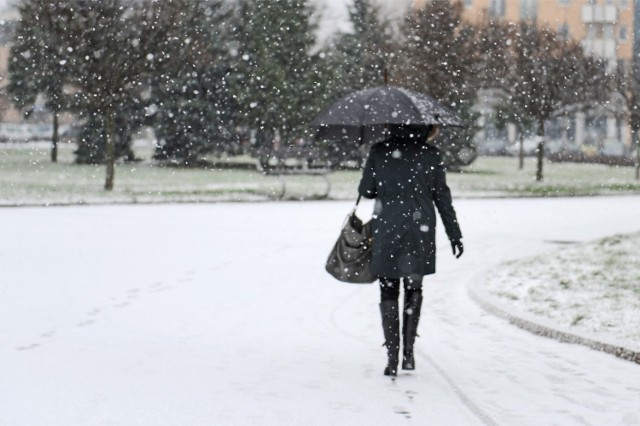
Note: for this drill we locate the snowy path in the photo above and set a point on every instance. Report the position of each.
(223, 315)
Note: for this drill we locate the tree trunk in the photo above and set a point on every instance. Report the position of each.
(540, 153)
(521, 153)
(635, 141)
(110, 150)
(54, 139)
(637, 156)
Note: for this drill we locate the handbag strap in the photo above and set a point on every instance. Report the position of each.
(353, 211)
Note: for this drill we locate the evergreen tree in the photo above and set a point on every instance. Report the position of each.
(37, 64)
(364, 54)
(195, 116)
(277, 77)
(128, 118)
(195, 109)
(436, 59)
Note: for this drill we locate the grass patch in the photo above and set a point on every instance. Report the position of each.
(576, 320)
(594, 287)
(500, 175)
(565, 284)
(29, 177)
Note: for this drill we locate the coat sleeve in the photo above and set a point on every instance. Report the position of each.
(368, 187)
(442, 200)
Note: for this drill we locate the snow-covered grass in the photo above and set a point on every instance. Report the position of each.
(29, 178)
(500, 176)
(590, 287)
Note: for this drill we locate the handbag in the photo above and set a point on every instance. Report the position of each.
(350, 258)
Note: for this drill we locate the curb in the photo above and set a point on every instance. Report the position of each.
(543, 328)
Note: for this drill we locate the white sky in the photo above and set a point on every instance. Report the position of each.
(333, 11)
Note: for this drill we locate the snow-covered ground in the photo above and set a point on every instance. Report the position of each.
(591, 287)
(223, 315)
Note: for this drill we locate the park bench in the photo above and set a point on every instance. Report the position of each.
(283, 171)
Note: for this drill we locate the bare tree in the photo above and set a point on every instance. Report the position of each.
(626, 83)
(492, 61)
(111, 48)
(547, 74)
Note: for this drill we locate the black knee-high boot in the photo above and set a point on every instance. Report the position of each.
(410, 319)
(391, 329)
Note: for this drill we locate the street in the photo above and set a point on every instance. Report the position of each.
(222, 314)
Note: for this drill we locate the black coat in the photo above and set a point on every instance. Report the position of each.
(407, 179)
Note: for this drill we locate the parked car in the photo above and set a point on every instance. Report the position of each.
(612, 149)
(492, 147)
(530, 147)
(11, 132)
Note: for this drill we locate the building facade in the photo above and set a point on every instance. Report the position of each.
(607, 29)
(604, 27)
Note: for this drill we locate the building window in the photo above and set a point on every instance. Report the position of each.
(591, 32)
(563, 30)
(529, 10)
(496, 8)
(468, 3)
(624, 4)
(564, 3)
(593, 1)
(624, 33)
(607, 32)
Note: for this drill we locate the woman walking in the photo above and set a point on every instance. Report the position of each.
(406, 177)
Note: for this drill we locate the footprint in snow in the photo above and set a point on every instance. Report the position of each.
(402, 411)
(28, 347)
(158, 287)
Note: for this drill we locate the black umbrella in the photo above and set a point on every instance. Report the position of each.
(365, 115)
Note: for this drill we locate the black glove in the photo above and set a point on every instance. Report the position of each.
(457, 244)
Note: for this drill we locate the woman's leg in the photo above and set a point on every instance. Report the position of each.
(389, 289)
(410, 319)
(389, 293)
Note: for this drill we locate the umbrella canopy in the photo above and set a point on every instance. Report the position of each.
(364, 115)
